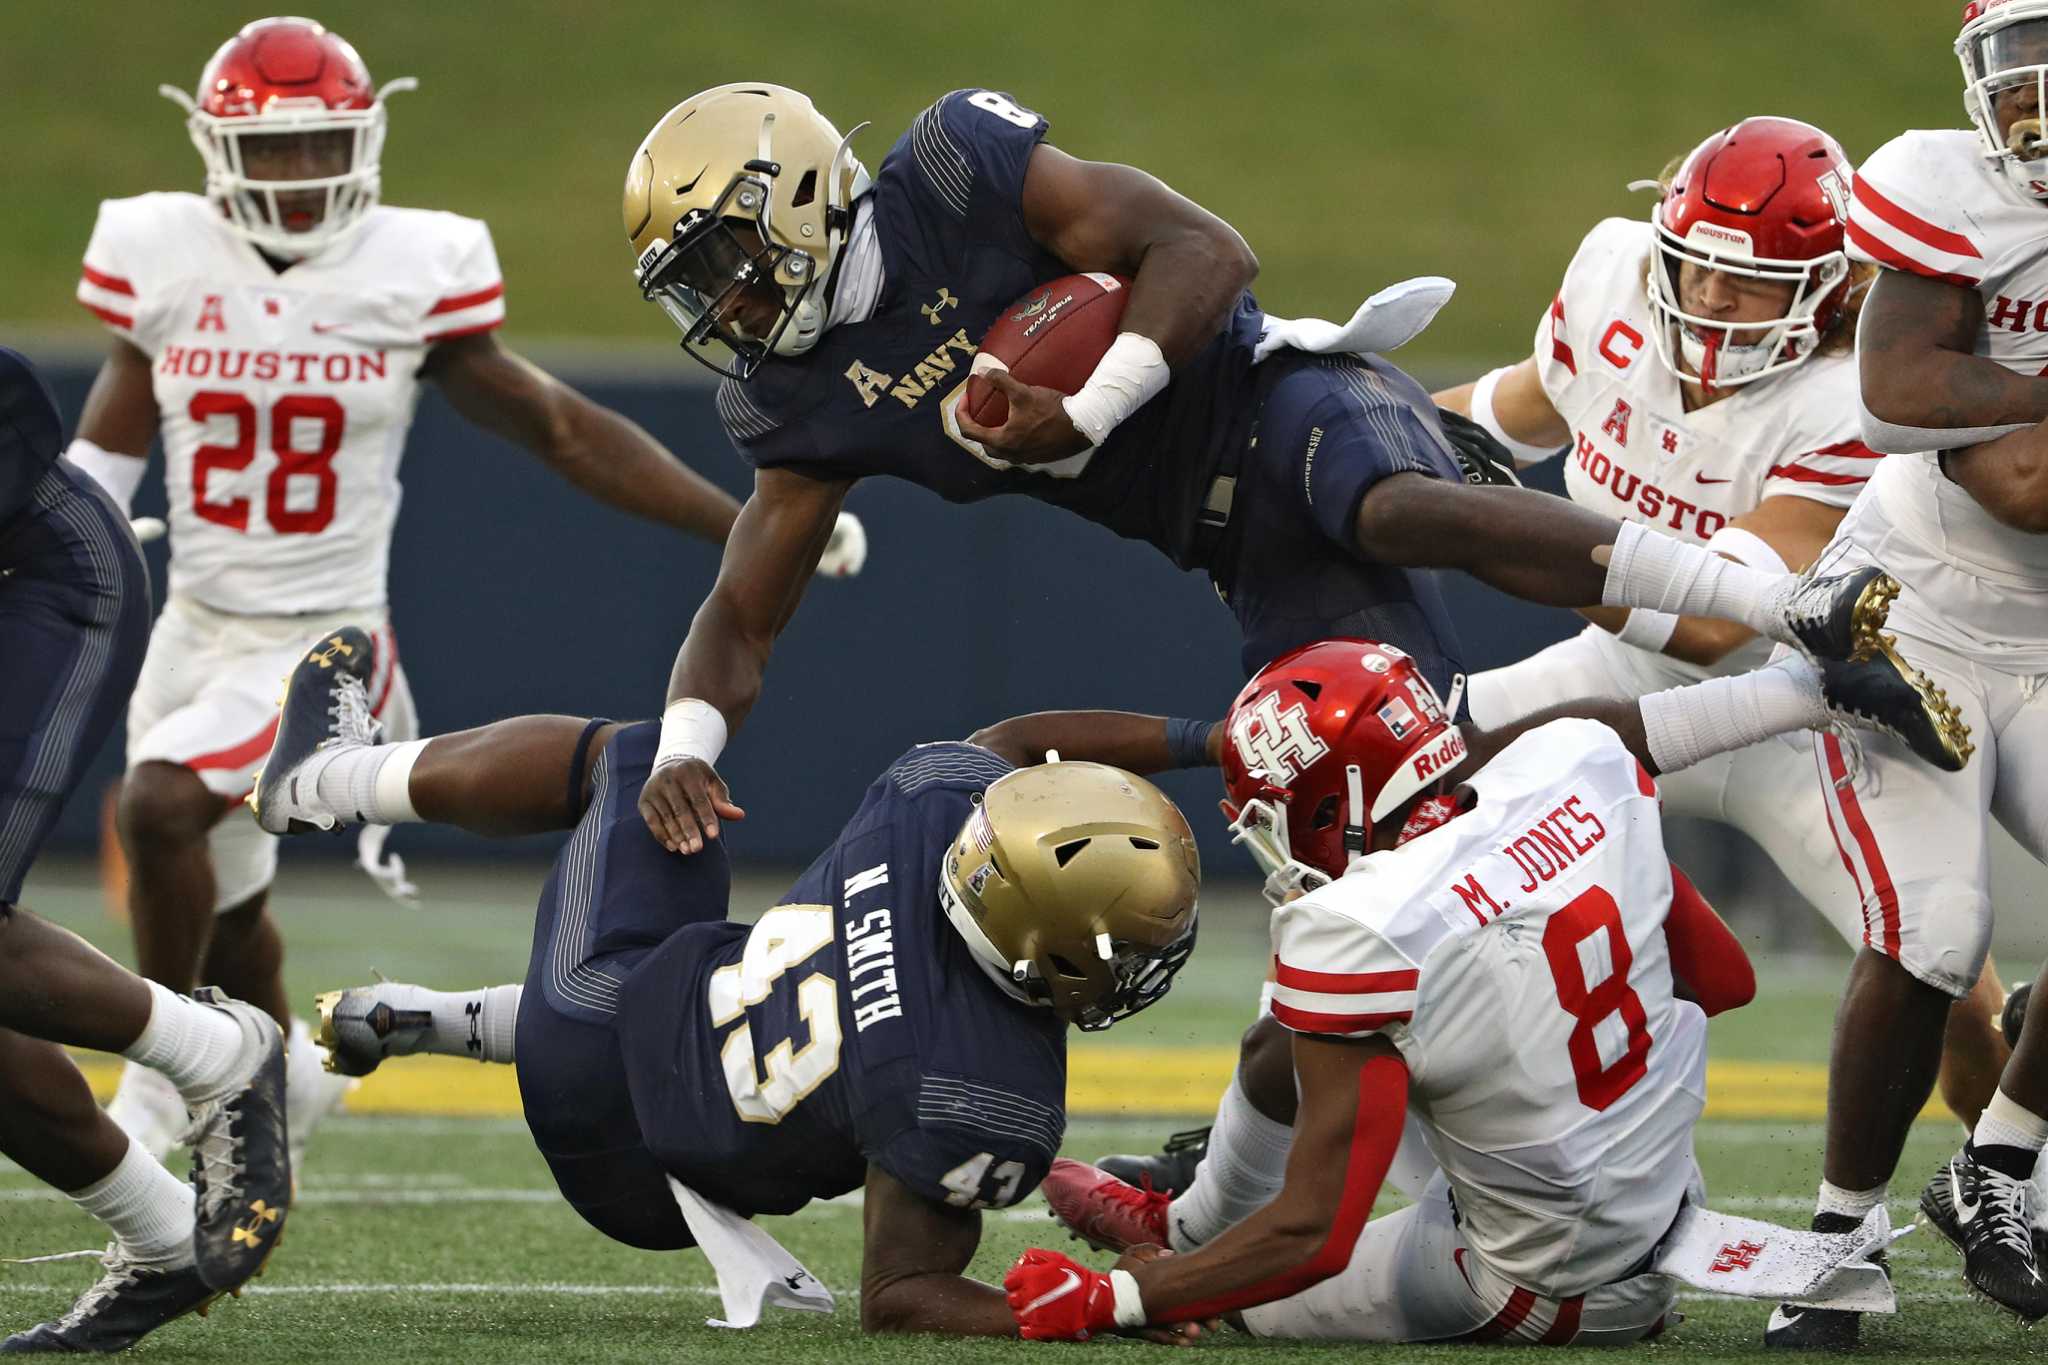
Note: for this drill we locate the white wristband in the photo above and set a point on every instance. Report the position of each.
(1131, 372)
(1647, 630)
(689, 729)
(120, 475)
(1483, 413)
(1747, 547)
(1130, 1307)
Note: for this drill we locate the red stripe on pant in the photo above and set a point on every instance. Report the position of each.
(1508, 1318)
(1866, 842)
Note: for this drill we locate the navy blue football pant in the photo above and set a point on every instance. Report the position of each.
(1328, 429)
(74, 622)
(614, 895)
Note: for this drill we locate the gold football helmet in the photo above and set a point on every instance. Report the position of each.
(1074, 886)
(737, 204)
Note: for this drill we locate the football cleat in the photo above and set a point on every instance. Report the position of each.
(130, 1300)
(1984, 1212)
(1839, 616)
(361, 1026)
(1103, 1211)
(1885, 694)
(326, 704)
(1794, 1327)
(2013, 1017)
(1170, 1170)
(241, 1163)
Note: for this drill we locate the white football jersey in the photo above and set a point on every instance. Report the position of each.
(284, 398)
(1929, 202)
(1637, 454)
(1516, 957)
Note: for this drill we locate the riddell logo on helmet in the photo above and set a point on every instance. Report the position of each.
(1440, 757)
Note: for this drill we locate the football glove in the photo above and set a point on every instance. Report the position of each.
(1056, 1298)
(846, 551)
(1482, 459)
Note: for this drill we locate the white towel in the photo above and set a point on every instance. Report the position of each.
(1749, 1258)
(754, 1271)
(1391, 318)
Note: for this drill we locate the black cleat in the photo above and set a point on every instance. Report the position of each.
(1987, 1217)
(1796, 1328)
(1840, 616)
(2014, 1016)
(241, 1163)
(129, 1301)
(1886, 694)
(326, 703)
(1171, 1170)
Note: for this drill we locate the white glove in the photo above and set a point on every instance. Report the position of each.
(147, 529)
(846, 551)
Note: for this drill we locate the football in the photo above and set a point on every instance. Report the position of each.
(1051, 337)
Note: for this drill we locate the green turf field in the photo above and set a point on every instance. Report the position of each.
(1352, 143)
(424, 1238)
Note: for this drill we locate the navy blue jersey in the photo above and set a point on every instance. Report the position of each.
(873, 397)
(771, 1064)
(31, 436)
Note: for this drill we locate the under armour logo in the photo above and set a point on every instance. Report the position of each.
(1670, 443)
(324, 656)
(795, 1279)
(1736, 1256)
(250, 1233)
(931, 311)
(474, 1009)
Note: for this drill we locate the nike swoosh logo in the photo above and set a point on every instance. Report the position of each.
(1072, 1282)
(1701, 478)
(1458, 1259)
(1965, 1213)
(322, 328)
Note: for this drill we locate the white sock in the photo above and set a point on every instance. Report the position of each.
(1665, 574)
(148, 1209)
(1244, 1169)
(194, 1046)
(368, 783)
(1687, 724)
(480, 1023)
(1850, 1203)
(2006, 1123)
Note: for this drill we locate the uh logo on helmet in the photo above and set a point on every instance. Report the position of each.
(737, 203)
(2003, 48)
(1323, 744)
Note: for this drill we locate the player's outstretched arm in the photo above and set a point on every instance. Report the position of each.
(1140, 744)
(769, 557)
(1916, 355)
(1354, 1096)
(602, 453)
(1187, 269)
(913, 1250)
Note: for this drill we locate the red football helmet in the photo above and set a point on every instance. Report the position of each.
(1767, 199)
(1324, 743)
(288, 78)
(2003, 47)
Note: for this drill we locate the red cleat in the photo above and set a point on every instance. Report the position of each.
(1102, 1210)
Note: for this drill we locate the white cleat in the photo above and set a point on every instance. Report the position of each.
(149, 1109)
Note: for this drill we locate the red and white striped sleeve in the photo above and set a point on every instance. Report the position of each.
(106, 279)
(1335, 977)
(471, 296)
(1833, 473)
(1900, 219)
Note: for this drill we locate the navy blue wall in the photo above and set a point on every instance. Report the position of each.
(512, 593)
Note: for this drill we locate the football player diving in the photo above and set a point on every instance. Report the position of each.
(1313, 482)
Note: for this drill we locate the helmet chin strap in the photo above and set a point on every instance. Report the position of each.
(1355, 831)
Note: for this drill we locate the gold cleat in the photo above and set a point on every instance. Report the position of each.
(1884, 693)
(1867, 620)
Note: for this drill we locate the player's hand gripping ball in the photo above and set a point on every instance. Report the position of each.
(1041, 349)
